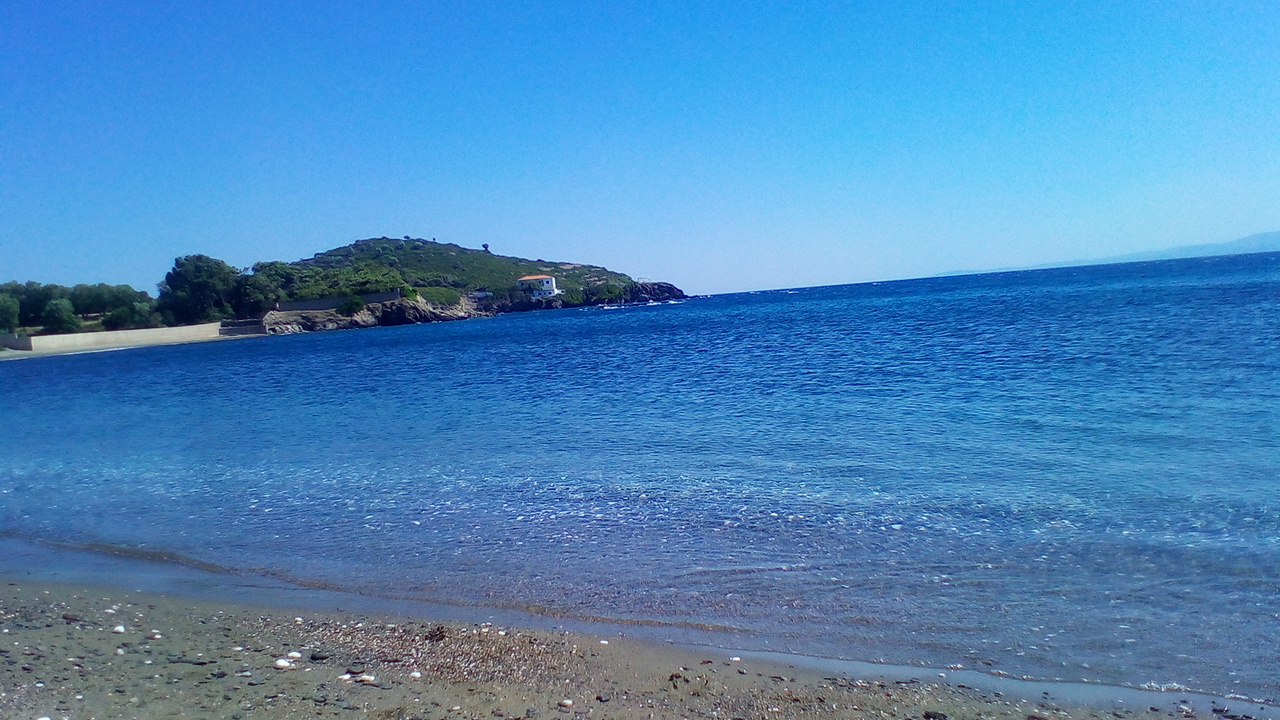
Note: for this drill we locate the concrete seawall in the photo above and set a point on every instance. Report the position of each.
(77, 342)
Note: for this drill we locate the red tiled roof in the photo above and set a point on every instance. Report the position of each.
(535, 277)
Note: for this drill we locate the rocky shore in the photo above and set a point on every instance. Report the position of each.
(406, 311)
(87, 653)
(403, 311)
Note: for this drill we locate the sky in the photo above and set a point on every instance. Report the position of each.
(719, 146)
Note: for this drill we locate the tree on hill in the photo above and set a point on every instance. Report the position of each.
(8, 313)
(198, 289)
(59, 316)
(257, 293)
(103, 298)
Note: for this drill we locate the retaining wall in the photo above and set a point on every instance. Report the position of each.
(333, 302)
(15, 342)
(111, 339)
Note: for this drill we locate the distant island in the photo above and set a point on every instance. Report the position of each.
(376, 281)
(1259, 243)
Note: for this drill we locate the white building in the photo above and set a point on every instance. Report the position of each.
(538, 286)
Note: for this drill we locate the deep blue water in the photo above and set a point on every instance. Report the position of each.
(1065, 473)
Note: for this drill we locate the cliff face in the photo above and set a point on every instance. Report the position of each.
(411, 311)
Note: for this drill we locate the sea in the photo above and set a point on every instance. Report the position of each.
(1066, 474)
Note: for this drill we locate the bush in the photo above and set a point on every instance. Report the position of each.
(59, 316)
(129, 317)
(352, 305)
(440, 295)
(607, 293)
(118, 319)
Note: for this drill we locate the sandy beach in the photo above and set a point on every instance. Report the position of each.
(78, 652)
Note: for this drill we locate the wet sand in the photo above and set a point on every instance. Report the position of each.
(83, 652)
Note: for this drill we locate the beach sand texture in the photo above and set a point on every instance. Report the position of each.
(93, 653)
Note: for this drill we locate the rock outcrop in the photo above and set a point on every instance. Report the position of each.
(403, 311)
(653, 292)
(417, 310)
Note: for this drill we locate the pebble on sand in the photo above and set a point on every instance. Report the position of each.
(472, 675)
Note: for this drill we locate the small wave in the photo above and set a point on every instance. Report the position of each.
(135, 553)
(742, 570)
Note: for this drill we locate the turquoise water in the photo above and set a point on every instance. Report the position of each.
(1062, 474)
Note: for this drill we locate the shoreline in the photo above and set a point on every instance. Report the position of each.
(80, 651)
(55, 622)
(294, 322)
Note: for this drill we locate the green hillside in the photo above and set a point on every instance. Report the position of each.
(439, 272)
(424, 263)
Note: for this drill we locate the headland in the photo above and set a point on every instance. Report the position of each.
(369, 283)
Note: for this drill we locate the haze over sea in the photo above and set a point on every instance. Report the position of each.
(1069, 473)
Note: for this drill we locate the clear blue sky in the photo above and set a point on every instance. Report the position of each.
(719, 146)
